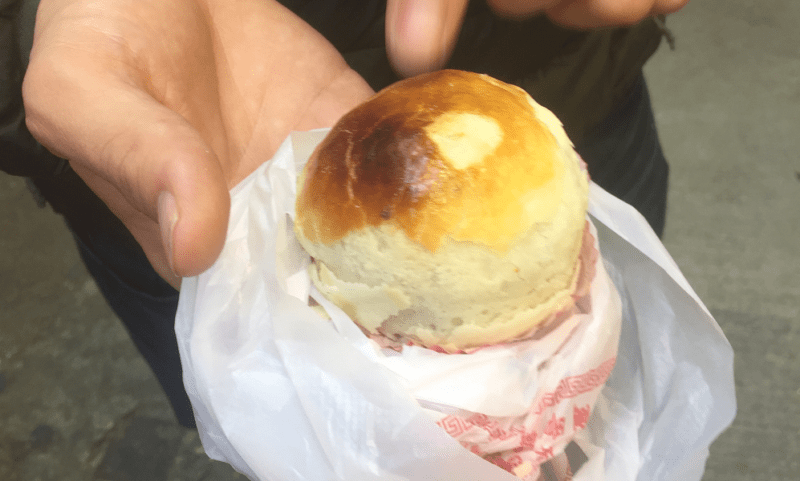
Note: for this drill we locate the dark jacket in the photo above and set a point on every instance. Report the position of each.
(580, 76)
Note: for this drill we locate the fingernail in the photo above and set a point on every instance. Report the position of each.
(167, 218)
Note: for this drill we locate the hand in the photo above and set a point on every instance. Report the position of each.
(420, 34)
(161, 106)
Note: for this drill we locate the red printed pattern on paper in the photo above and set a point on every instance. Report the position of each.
(528, 441)
(575, 385)
(545, 452)
(454, 425)
(507, 464)
(555, 427)
(484, 435)
(580, 416)
(491, 426)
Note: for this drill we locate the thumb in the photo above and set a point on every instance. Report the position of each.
(146, 162)
(421, 34)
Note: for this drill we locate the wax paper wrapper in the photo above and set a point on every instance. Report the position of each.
(282, 394)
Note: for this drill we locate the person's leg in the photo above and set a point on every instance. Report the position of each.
(143, 301)
(140, 298)
(625, 158)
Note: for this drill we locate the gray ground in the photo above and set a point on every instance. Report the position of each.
(78, 403)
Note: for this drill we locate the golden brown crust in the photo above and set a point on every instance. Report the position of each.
(379, 164)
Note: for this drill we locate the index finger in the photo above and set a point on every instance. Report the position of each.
(420, 34)
(607, 13)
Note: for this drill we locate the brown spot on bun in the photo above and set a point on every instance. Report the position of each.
(379, 164)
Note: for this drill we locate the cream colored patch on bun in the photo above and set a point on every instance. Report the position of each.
(465, 138)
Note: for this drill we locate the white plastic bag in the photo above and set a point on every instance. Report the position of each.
(282, 395)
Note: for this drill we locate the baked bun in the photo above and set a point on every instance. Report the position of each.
(447, 211)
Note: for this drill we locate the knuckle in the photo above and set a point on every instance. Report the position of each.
(41, 84)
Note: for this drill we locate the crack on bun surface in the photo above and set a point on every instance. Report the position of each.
(448, 210)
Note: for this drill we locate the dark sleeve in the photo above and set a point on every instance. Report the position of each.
(20, 154)
(582, 76)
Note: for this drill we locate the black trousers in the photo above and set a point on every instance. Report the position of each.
(625, 158)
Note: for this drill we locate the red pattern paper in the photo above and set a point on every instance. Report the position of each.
(528, 441)
(555, 427)
(580, 416)
(521, 444)
(570, 387)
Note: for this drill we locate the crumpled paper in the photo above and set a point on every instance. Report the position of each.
(281, 394)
